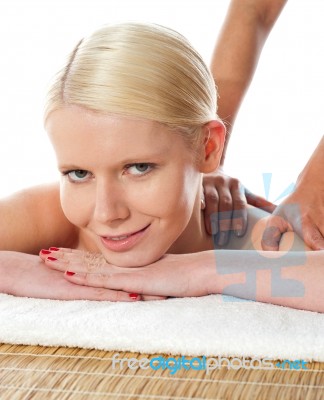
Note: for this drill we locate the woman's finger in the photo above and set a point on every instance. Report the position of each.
(127, 282)
(57, 264)
(85, 263)
(59, 252)
(80, 292)
(78, 261)
(149, 298)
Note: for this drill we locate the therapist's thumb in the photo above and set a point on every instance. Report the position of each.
(276, 226)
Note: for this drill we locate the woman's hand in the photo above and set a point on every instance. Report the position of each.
(226, 206)
(182, 275)
(26, 275)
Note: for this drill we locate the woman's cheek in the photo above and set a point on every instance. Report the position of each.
(164, 192)
(162, 197)
(75, 204)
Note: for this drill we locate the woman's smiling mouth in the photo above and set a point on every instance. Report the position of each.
(123, 242)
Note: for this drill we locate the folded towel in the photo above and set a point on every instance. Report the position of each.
(213, 325)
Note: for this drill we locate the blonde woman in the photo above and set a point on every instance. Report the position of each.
(132, 120)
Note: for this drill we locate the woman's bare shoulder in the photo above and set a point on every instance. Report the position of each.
(33, 218)
(257, 220)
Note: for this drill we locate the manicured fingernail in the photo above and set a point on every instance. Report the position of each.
(54, 249)
(134, 296)
(43, 251)
(51, 259)
(69, 273)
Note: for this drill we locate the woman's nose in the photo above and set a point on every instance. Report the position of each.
(110, 203)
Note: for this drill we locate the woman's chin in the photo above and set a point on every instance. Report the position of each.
(130, 260)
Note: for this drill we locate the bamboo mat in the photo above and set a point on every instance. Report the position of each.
(34, 372)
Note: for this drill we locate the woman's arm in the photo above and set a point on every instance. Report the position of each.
(33, 219)
(25, 275)
(292, 279)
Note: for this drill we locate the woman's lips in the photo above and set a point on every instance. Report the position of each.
(123, 242)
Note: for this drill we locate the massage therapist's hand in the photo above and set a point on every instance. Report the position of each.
(302, 212)
(26, 275)
(226, 201)
(173, 275)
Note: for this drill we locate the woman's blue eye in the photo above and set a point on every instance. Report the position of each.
(77, 175)
(140, 168)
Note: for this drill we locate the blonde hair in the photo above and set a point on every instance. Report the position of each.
(138, 70)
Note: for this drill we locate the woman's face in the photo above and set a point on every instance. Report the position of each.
(130, 185)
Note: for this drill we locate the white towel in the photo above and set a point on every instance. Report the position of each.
(213, 325)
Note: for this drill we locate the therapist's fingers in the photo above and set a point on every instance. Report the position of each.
(226, 206)
(313, 237)
(276, 226)
(239, 216)
(305, 226)
(225, 212)
(211, 208)
(292, 217)
(259, 201)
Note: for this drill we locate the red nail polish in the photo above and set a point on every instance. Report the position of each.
(54, 249)
(43, 251)
(51, 259)
(134, 296)
(69, 273)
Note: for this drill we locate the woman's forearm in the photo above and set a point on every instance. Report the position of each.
(25, 275)
(292, 279)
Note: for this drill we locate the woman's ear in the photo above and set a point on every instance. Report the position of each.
(213, 135)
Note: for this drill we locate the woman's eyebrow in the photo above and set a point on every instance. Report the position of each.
(142, 156)
(68, 167)
(145, 157)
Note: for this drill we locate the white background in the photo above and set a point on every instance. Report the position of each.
(280, 122)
